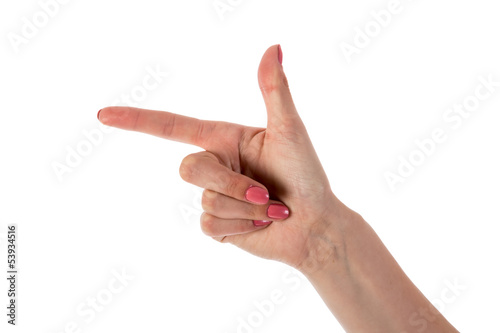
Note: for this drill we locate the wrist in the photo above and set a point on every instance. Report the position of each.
(359, 280)
(327, 241)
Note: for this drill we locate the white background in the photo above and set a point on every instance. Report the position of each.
(125, 207)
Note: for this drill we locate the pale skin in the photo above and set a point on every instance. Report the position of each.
(333, 246)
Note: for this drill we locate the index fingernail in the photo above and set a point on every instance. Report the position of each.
(257, 195)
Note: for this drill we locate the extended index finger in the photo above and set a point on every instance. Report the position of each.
(163, 124)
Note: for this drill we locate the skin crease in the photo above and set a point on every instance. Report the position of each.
(332, 245)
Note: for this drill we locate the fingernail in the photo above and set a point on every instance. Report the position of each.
(260, 223)
(257, 195)
(280, 55)
(277, 211)
(98, 114)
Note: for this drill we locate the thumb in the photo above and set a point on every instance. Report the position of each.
(282, 115)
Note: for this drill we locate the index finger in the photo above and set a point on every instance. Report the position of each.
(163, 124)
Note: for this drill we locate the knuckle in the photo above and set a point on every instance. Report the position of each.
(188, 167)
(291, 131)
(271, 82)
(267, 87)
(231, 186)
(207, 224)
(206, 154)
(208, 200)
(204, 130)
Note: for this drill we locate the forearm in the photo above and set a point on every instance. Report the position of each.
(362, 283)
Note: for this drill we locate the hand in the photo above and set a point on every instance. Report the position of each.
(242, 167)
(333, 246)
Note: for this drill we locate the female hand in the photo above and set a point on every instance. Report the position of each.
(242, 167)
(334, 247)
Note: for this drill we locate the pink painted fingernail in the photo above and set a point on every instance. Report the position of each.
(98, 114)
(260, 223)
(277, 211)
(280, 55)
(257, 195)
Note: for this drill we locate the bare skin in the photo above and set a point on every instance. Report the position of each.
(332, 245)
